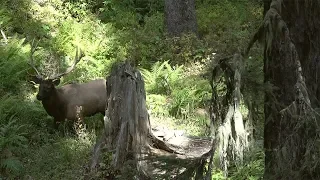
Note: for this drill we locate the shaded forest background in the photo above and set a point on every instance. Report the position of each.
(176, 71)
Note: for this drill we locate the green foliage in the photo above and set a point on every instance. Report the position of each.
(253, 168)
(5, 18)
(112, 10)
(28, 147)
(186, 49)
(63, 158)
(11, 165)
(162, 78)
(12, 137)
(147, 44)
(183, 101)
(192, 93)
(226, 25)
(217, 175)
(13, 65)
(174, 92)
(97, 44)
(157, 104)
(78, 9)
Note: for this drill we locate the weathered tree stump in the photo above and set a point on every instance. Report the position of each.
(127, 131)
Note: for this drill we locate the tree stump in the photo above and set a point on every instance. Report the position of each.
(127, 131)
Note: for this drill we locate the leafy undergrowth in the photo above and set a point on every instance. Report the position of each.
(63, 158)
(253, 167)
(177, 97)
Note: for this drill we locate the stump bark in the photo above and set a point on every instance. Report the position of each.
(127, 131)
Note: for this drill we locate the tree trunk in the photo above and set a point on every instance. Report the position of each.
(231, 136)
(291, 63)
(127, 131)
(180, 17)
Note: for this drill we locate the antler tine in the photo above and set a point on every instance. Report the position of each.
(33, 49)
(77, 58)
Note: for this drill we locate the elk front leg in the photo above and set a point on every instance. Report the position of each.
(57, 122)
(79, 126)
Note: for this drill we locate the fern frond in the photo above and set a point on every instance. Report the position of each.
(12, 164)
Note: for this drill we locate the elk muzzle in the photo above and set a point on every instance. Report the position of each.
(39, 97)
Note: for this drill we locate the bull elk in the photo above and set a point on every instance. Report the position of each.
(61, 103)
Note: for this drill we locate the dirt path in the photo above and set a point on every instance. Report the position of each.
(190, 147)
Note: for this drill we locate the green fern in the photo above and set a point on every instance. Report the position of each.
(162, 77)
(12, 165)
(12, 137)
(13, 65)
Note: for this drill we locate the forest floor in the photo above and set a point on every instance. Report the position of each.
(61, 156)
(188, 145)
(188, 148)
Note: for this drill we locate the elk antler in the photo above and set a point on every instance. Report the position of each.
(76, 60)
(33, 49)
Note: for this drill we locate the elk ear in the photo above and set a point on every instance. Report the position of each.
(56, 82)
(36, 79)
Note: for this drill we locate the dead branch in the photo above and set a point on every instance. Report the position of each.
(4, 36)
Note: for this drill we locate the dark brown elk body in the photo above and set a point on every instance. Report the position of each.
(61, 103)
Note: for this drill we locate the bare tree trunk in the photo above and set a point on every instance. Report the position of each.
(291, 62)
(180, 17)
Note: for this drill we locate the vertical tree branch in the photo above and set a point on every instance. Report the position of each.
(4, 36)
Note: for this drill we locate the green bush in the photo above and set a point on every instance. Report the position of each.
(146, 44)
(13, 65)
(185, 49)
(185, 93)
(184, 101)
(162, 78)
(12, 137)
(226, 25)
(157, 104)
(253, 167)
(189, 94)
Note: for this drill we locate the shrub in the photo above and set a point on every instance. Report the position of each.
(189, 94)
(162, 78)
(12, 137)
(253, 167)
(13, 65)
(157, 104)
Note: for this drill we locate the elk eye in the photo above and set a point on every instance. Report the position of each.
(47, 90)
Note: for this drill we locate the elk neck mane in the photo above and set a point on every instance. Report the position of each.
(55, 103)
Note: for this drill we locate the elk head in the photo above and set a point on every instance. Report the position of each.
(47, 85)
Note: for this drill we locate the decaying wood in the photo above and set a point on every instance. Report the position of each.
(291, 49)
(127, 131)
(231, 136)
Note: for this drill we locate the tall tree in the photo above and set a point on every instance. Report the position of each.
(291, 30)
(180, 17)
